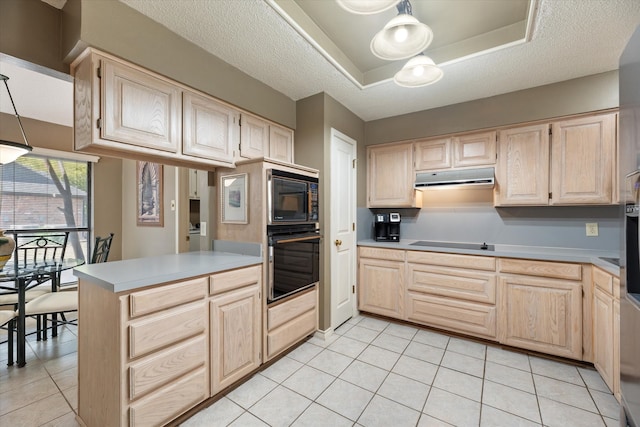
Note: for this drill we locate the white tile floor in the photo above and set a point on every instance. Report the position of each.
(378, 373)
(370, 373)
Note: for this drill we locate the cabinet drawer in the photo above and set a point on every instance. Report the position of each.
(163, 297)
(151, 373)
(280, 338)
(603, 280)
(167, 403)
(558, 270)
(462, 316)
(452, 260)
(386, 254)
(229, 280)
(288, 310)
(169, 327)
(454, 283)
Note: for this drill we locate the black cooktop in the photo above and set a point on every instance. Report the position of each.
(478, 246)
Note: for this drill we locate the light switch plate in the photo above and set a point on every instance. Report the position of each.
(592, 229)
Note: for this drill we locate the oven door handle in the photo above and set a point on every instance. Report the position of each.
(297, 239)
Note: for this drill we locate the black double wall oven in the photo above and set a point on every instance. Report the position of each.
(292, 233)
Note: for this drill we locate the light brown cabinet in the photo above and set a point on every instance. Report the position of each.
(459, 151)
(260, 138)
(540, 306)
(441, 293)
(381, 287)
(390, 177)
(291, 320)
(606, 312)
(236, 325)
(573, 166)
(211, 128)
(164, 351)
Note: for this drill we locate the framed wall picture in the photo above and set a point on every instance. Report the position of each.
(149, 203)
(234, 198)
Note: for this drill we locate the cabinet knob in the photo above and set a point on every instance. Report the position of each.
(338, 242)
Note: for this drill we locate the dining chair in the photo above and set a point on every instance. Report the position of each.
(65, 301)
(7, 316)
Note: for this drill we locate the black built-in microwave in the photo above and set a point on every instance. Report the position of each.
(292, 198)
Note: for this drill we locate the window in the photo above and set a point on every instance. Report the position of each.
(44, 192)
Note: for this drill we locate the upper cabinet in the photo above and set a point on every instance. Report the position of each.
(211, 128)
(124, 110)
(390, 176)
(461, 151)
(522, 175)
(568, 162)
(260, 138)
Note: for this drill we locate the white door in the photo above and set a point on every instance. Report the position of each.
(342, 234)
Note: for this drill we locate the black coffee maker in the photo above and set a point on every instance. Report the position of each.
(386, 227)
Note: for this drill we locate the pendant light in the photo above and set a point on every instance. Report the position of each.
(402, 37)
(418, 71)
(366, 7)
(10, 151)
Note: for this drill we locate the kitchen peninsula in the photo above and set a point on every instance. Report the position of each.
(159, 335)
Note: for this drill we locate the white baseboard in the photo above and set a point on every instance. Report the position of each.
(323, 335)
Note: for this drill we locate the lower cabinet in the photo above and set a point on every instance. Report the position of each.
(444, 295)
(291, 320)
(235, 312)
(381, 281)
(541, 310)
(606, 327)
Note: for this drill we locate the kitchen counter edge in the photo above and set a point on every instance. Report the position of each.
(132, 274)
(590, 256)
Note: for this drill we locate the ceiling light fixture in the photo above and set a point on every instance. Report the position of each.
(402, 37)
(10, 151)
(418, 71)
(366, 7)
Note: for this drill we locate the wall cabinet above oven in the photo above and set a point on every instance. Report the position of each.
(261, 138)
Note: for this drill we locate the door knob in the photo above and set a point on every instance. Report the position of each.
(338, 242)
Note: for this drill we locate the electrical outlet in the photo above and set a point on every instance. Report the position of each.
(203, 228)
(592, 229)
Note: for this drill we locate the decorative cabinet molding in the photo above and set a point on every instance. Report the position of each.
(390, 177)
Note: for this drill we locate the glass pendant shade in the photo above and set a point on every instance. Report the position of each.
(403, 37)
(10, 151)
(418, 71)
(366, 7)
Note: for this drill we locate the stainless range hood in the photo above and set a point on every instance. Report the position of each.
(469, 178)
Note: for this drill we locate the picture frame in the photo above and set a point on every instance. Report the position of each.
(233, 200)
(149, 194)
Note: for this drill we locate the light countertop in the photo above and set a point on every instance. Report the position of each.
(131, 274)
(589, 256)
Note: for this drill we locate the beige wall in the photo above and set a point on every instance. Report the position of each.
(118, 29)
(316, 116)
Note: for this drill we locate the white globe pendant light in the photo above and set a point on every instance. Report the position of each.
(418, 71)
(366, 7)
(402, 37)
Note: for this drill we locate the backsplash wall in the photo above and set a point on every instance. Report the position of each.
(469, 216)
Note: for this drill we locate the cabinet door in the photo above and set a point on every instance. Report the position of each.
(582, 160)
(390, 176)
(210, 128)
(193, 184)
(254, 137)
(139, 109)
(433, 154)
(281, 143)
(381, 287)
(542, 314)
(616, 348)
(235, 336)
(603, 335)
(522, 170)
(474, 149)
